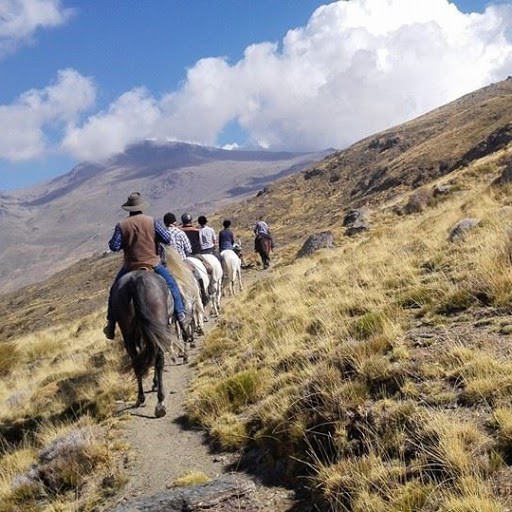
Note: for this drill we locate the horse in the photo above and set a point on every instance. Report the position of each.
(263, 246)
(232, 271)
(213, 287)
(141, 303)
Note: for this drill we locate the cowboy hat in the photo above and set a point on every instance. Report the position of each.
(135, 203)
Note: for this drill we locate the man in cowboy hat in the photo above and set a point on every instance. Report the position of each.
(139, 236)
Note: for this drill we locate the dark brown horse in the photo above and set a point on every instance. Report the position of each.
(141, 303)
(263, 245)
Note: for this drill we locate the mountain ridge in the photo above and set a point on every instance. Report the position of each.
(54, 224)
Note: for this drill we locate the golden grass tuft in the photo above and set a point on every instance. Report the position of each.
(53, 404)
(190, 478)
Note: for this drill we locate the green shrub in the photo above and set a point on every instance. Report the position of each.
(370, 324)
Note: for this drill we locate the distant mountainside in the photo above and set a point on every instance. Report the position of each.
(383, 167)
(47, 227)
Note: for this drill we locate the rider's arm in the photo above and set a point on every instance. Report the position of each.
(116, 242)
(162, 235)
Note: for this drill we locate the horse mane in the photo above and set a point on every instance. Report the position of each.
(181, 273)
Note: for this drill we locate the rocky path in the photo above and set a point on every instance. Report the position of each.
(165, 449)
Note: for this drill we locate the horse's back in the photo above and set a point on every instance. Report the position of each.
(230, 261)
(215, 264)
(143, 287)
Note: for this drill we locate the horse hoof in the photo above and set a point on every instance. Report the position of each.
(160, 411)
(185, 358)
(139, 403)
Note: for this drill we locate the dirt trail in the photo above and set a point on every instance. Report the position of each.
(165, 448)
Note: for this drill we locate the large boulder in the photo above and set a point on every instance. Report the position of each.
(462, 227)
(228, 492)
(356, 221)
(316, 242)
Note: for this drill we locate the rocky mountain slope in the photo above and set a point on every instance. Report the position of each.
(50, 226)
(308, 201)
(382, 168)
(377, 372)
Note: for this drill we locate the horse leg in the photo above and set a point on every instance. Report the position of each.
(140, 394)
(160, 409)
(184, 352)
(239, 273)
(154, 387)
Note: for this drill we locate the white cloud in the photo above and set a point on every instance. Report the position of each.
(19, 20)
(23, 124)
(357, 67)
(131, 118)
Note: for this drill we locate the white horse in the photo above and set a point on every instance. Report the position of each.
(232, 267)
(213, 287)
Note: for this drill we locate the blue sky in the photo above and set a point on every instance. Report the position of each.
(82, 79)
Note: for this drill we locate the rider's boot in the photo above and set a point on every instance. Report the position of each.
(184, 323)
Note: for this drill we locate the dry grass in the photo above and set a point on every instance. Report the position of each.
(55, 406)
(347, 395)
(379, 370)
(191, 478)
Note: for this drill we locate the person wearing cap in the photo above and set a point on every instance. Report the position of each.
(192, 233)
(138, 236)
(207, 236)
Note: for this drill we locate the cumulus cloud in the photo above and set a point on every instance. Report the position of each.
(129, 119)
(23, 123)
(355, 68)
(19, 20)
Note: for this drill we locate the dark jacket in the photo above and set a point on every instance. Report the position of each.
(193, 236)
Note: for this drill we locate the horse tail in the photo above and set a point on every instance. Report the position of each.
(154, 330)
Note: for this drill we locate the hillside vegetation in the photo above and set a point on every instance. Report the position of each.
(380, 370)
(376, 374)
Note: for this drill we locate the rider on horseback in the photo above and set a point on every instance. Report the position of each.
(179, 240)
(207, 236)
(227, 241)
(138, 236)
(194, 237)
(263, 238)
